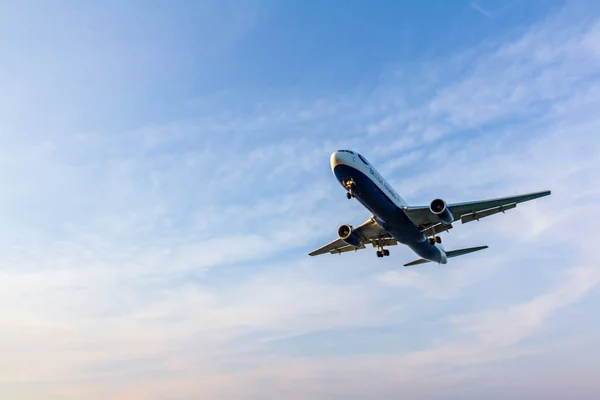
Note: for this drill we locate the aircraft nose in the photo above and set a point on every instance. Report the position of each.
(335, 159)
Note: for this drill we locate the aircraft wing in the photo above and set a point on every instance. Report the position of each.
(369, 232)
(466, 212)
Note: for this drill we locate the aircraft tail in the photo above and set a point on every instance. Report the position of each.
(460, 252)
(449, 254)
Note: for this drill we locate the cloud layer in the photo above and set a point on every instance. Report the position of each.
(164, 255)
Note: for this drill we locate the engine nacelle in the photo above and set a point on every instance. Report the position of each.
(347, 234)
(441, 211)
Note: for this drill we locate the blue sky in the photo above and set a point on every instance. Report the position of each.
(165, 171)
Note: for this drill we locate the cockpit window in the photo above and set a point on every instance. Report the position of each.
(346, 151)
(363, 159)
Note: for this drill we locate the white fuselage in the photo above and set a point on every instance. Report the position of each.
(355, 160)
(356, 174)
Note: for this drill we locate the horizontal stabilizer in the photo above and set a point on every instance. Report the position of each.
(449, 254)
(460, 252)
(417, 262)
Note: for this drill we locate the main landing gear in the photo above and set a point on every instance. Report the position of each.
(434, 240)
(382, 252)
(349, 185)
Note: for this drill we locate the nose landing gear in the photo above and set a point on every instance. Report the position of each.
(349, 185)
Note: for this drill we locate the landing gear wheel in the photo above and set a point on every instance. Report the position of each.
(438, 239)
(348, 183)
(431, 241)
(383, 253)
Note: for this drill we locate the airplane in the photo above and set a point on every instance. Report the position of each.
(393, 221)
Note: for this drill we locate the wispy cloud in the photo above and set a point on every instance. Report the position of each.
(518, 322)
(480, 10)
(169, 259)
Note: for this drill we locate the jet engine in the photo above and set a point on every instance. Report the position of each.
(441, 211)
(347, 234)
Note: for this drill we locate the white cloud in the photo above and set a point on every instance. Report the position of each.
(171, 260)
(515, 323)
(480, 10)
